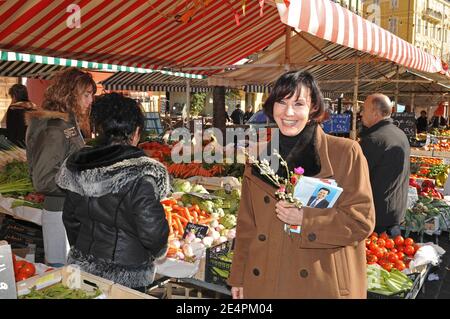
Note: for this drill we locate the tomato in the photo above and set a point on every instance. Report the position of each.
(384, 236)
(416, 248)
(373, 239)
(18, 265)
(368, 242)
(379, 253)
(399, 240)
(368, 252)
(409, 250)
(401, 255)
(28, 270)
(374, 234)
(389, 244)
(409, 242)
(388, 266)
(400, 265)
(392, 257)
(373, 246)
(393, 250)
(381, 242)
(372, 259)
(385, 251)
(400, 248)
(20, 277)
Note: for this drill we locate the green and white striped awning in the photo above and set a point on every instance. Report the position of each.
(61, 62)
(153, 82)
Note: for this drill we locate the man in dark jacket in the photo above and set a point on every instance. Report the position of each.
(238, 115)
(387, 151)
(422, 122)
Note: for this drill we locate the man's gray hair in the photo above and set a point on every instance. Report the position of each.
(382, 103)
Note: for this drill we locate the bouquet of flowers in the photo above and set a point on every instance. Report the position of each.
(286, 185)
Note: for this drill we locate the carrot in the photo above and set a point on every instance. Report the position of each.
(195, 216)
(180, 227)
(206, 220)
(183, 219)
(169, 218)
(169, 202)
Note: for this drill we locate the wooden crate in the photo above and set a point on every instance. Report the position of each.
(73, 277)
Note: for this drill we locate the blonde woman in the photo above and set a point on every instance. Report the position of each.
(53, 134)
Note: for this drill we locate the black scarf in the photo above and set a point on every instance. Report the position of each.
(299, 150)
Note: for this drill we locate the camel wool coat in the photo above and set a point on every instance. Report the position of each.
(327, 259)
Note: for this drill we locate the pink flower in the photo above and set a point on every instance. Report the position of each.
(299, 170)
(294, 179)
(282, 189)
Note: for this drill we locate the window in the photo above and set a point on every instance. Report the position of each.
(419, 25)
(393, 25)
(394, 4)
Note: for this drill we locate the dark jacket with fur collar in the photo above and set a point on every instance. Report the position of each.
(51, 137)
(112, 213)
(15, 121)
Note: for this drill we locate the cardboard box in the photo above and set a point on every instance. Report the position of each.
(72, 276)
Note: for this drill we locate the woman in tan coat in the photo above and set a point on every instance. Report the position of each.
(327, 259)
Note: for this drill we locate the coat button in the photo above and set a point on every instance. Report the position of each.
(303, 273)
(311, 237)
(266, 199)
(256, 272)
(262, 237)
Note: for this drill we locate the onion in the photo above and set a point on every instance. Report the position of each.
(187, 250)
(208, 241)
(175, 243)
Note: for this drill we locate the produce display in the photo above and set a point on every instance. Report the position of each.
(390, 253)
(387, 283)
(426, 189)
(59, 291)
(431, 168)
(162, 152)
(195, 205)
(424, 209)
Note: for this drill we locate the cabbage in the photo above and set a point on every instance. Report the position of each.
(181, 185)
(199, 189)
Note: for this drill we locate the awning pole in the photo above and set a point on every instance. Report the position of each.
(287, 49)
(396, 87)
(188, 102)
(355, 100)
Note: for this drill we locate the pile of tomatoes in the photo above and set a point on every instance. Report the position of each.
(23, 269)
(390, 253)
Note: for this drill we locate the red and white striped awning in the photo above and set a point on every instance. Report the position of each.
(330, 21)
(139, 33)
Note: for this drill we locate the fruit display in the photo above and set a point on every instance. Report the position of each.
(429, 167)
(390, 253)
(426, 189)
(59, 291)
(383, 282)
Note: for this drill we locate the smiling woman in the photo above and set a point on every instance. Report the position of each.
(327, 258)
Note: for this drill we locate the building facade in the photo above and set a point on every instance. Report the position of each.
(424, 23)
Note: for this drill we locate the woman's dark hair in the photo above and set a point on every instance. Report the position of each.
(116, 118)
(19, 93)
(289, 84)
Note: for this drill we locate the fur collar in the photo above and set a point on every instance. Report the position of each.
(99, 181)
(27, 105)
(44, 114)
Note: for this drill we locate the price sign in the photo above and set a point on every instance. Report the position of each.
(200, 231)
(7, 279)
(406, 122)
(338, 123)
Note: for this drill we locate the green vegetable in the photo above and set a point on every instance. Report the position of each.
(59, 291)
(181, 185)
(228, 221)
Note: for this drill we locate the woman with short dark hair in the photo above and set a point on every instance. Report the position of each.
(114, 220)
(15, 116)
(326, 258)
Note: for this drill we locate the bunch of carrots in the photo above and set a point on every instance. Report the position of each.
(178, 216)
(182, 170)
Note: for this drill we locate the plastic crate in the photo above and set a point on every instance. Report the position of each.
(410, 294)
(217, 268)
